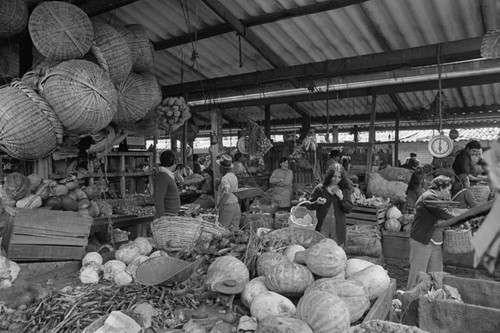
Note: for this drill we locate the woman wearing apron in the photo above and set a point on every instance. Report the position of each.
(282, 179)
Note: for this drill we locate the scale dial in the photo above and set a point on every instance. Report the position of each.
(440, 146)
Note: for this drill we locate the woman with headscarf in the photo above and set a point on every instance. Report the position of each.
(166, 195)
(426, 235)
(332, 200)
(227, 204)
(282, 179)
(206, 190)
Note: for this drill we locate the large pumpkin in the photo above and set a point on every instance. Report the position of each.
(252, 289)
(269, 303)
(324, 258)
(289, 279)
(227, 268)
(324, 312)
(278, 324)
(375, 279)
(355, 265)
(352, 292)
(16, 186)
(268, 260)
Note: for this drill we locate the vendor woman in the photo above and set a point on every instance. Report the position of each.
(166, 195)
(426, 235)
(227, 204)
(332, 200)
(282, 179)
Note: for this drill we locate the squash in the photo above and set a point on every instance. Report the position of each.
(324, 258)
(393, 213)
(375, 279)
(91, 191)
(35, 181)
(93, 209)
(60, 190)
(80, 194)
(72, 185)
(54, 202)
(144, 245)
(29, 202)
(279, 324)
(83, 204)
(291, 250)
(355, 265)
(269, 303)
(252, 289)
(324, 312)
(43, 190)
(352, 292)
(289, 279)
(227, 268)
(68, 203)
(267, 260)
(392, 225)
(16, 186)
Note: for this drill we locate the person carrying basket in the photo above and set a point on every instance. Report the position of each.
(332, 200)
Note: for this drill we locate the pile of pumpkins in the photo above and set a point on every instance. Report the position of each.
(397, 221)
(33, 191)
(333, 292)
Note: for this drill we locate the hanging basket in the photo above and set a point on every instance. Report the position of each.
(13, 17)
(130, 39)
(60, 30)
(111, 52)
(81, 94)
(30, 129)
(145, 54)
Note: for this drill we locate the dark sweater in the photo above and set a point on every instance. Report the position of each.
(426, 217)
(340, 207)
(166, 195)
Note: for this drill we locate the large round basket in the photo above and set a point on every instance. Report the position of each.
(255, 221)
(98, 323)
(481, 192)
(60, 30)
(164, 270)
(457, 241)
(111, 52)
(81, 94)
(130, 39)
(137, 95)
(304, 237)
(13, 17)
(179, 232)
(145, 55)
(30, 129)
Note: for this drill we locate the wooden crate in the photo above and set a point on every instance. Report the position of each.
(44, 235)
(396, 244)
(380, 309)
(366, 215)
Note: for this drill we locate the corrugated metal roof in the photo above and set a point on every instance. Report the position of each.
(369, 27)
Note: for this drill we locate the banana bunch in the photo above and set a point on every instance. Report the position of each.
(310, 143)
(173, 112)
(298, 153)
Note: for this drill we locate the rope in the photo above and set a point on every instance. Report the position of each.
(96, 51)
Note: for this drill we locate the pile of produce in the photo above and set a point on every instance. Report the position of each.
(258, 144)
(65, 194)
(173, 112)
(397, 221)
(359, 198)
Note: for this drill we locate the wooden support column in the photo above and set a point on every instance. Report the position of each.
(267, 120)
(184, 142)
(396, 139)
(215, 139)
(335, 134)
(371, 136)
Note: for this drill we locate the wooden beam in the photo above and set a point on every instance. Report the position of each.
(254, 21)
(371, 135)
(358, 92)
(96, 7)
(460, 50)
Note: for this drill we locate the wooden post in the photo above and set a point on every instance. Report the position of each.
(184, 143)
(215, 139)
(267, 132)
(371, 136)
(335, 134)
(396, 139)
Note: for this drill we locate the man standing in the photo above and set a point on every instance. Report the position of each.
(464, 165)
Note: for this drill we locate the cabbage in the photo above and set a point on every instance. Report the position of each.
(122, 279)
(89, 274)
(393, 213)
(92, 257)
(159, 253)
(144, 245)
(393, 225)
(132, 268)
(128, 253)
(112, 267)
(227, 268)
(9, 270)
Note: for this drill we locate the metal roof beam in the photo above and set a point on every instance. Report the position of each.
(254, 21)
(460, 50)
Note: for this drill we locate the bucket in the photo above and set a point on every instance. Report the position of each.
(281, 219)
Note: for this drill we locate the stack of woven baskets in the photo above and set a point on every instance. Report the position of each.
(95, 75)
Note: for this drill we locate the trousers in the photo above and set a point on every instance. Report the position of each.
(424, 258)
(230, 215)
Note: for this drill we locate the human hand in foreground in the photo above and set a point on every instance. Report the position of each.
(321, 201)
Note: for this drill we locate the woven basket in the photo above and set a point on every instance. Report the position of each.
(304, 237)
(255, 221)
(60, 30)
(481, 192)
(298, 213)
(111, 52)
(145, 54)
(179, 232)
(457, 241)
(13, 17)
(130, 39)
(137, 95)
(30, 129)
(81, 95)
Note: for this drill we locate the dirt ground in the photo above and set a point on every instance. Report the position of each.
(399, 269)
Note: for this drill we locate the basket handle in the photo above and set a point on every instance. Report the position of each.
(306, 202)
